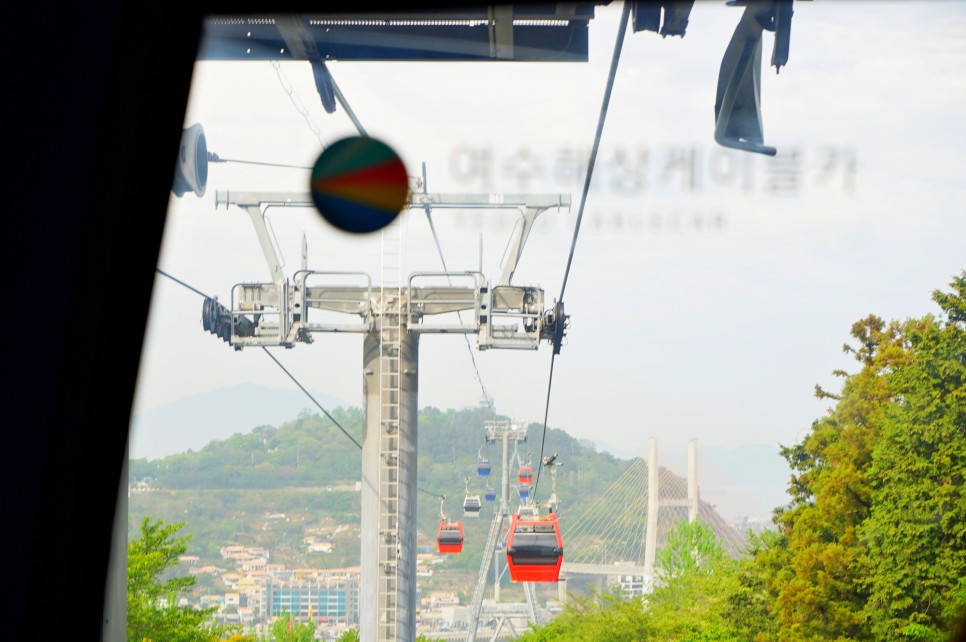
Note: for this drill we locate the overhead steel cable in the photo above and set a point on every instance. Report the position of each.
(618, 45)
(180, 282)
(309, 395)
(215, 158)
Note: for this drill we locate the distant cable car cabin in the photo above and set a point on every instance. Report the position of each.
(472, 506)
(449, 537)
(525, 475)
(524, 491)
(490, 494)
(482, 464)
(534, 548)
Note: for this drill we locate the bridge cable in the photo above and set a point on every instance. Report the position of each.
(580, 212)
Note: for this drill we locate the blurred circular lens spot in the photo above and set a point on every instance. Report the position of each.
(359, 184)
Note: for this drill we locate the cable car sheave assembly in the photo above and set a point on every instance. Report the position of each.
(277, 313)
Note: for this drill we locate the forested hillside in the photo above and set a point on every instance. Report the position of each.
(302, 468)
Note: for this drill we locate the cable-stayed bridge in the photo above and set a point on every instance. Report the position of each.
(620, 534)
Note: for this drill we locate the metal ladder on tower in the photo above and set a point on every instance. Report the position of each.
(390, 332)
(483, 575)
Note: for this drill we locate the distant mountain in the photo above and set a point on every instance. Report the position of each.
(261, 470)
(745, 481)
(192, 422)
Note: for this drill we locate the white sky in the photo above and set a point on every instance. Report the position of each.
(705, 312)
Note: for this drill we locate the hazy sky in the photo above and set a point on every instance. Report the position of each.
(711, 289)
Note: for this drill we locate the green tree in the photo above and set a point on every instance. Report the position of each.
(873, 543)
(606, 618)
(915, 567)
(153, 614)
(817, 592)
(695, 576)
(286, 629)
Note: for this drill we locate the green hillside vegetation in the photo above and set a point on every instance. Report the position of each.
(301, 469)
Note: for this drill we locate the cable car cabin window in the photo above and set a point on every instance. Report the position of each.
(450, 535)
(535, 548)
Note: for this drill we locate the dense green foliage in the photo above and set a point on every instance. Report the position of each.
(286, 629)
(153, 614)
(873, 544)
(694, 578)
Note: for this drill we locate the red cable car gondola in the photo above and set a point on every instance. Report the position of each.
(534, 548)
(449, 537)
(525, 475)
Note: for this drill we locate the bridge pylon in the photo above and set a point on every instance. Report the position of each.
(633, 545)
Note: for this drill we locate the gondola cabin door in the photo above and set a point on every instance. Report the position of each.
(534, 548)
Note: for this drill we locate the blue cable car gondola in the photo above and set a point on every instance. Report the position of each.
(490, 494)
(482, 465)
(524, 491)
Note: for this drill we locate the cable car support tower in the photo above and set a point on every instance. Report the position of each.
(391, 316)
(503, 431)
